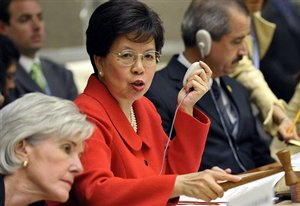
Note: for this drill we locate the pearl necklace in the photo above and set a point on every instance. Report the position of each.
(133, 119)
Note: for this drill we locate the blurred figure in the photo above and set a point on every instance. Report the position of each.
(292, 110)
(9, 56)
(41, 140)
(233, 141)
(22, 22)
(130, 160)
(296, 4)
(283, 56)
(271, 109)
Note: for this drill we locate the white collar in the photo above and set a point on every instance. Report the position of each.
(181, 58)
(27, 62)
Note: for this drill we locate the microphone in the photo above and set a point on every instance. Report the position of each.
(194, 67)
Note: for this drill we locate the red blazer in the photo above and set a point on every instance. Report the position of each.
(122, 167)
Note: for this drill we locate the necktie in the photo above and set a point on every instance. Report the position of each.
(223, 110)
(255, 57)
(37, 75)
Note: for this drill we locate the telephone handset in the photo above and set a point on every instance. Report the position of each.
(195, 66)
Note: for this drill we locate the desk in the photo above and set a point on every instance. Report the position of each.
(250, 189)
(288, 202)
(280, 187)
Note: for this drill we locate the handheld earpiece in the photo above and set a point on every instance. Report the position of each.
(204, 42)
(195, 66)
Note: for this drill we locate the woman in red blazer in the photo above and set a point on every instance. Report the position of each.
(125, 161)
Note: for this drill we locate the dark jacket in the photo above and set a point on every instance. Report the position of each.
(281, 65)
(60, 81)
(247, 145)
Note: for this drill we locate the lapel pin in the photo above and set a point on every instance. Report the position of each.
(229, 88)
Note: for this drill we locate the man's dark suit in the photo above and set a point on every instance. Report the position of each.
(247, 144)
(59, 80)
(282, 60)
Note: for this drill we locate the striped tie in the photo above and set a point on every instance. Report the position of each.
(231, 126)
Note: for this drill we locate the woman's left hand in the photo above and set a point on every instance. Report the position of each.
(197, 85)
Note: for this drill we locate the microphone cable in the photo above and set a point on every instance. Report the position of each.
(227, 134)
(170, 133)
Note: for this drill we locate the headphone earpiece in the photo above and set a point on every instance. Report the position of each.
(203, 42)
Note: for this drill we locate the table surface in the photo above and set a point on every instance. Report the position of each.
(288, 202)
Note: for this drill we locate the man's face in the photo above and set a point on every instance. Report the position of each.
(26, 26)
(226, 53)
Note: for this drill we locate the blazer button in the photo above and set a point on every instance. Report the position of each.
(146, 162)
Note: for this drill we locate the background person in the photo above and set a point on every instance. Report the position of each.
(248, 73)
(9, 56)
(126, 162)
(283, 55)
(292, 110)
(22, 22)
(294, 106)
(41, 140)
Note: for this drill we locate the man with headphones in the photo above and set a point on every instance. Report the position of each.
(214, 31)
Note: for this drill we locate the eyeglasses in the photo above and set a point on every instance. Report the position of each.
(128, 58)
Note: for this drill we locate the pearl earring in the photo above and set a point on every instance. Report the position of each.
(25, 163)
(100, 73)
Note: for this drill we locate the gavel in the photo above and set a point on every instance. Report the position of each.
(285, 159)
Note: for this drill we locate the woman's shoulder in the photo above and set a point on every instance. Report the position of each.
(146, 107)
(146, 103)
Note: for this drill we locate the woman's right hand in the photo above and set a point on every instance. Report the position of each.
(203, 185)
(197, 85)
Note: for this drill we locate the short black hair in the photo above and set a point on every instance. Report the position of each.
(115, 18)
(4, 13)
(8, 54)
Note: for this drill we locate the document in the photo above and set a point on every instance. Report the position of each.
(294, 142)
(233, 193)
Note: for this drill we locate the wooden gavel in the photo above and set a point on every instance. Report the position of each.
(286, 166)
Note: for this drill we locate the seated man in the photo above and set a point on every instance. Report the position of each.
(233, 141)
(271, 109)
(22, 22)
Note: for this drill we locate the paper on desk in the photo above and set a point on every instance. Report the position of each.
(262, 195)
(295, 160)
(232, 193)
(294, 142)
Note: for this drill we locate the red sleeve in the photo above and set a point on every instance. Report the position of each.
(191, 134)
